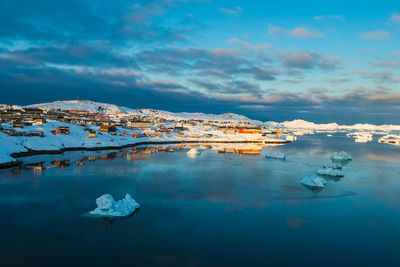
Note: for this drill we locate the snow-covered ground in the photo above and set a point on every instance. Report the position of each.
(79, 138)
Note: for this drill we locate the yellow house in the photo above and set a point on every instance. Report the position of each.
(92, 134)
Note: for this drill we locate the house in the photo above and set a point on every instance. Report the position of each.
(107, 128)
(92, 134)
(227, 130)
(143, 125)
(17, 123)
(250, 131)
(32, 134)
(151, 134)
(61, 130)
(38, 122)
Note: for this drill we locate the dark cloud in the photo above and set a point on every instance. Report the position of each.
(229, 87)
(59, 21)
(95, 55)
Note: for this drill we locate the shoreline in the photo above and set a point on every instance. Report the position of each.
(66, 149)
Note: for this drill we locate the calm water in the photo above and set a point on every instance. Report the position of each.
(219, 209)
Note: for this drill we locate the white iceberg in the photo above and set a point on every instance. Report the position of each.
(108, 207)
(276, 155)
(193, 152)
(313, 181)
(343, 156)
(326, 171)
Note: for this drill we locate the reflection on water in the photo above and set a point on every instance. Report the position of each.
(228, 206)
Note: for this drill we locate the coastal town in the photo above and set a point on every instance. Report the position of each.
(44, 129)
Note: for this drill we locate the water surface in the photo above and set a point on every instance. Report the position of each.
(220, 209)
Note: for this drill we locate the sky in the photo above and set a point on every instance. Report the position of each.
(322, 61)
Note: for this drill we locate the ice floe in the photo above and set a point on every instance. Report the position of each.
(276, 155)
(334, 165)
(108, 207)
(327, 171)
(313, 181)
(193, 152)
(341, 156)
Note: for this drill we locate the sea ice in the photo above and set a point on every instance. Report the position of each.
(313, 181)
(276, 155)
(193, 152)
(327, 171)
(108, 207)
(341, 156)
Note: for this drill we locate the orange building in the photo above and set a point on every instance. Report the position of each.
(249, 131)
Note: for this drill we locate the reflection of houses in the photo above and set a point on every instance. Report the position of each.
(60, 163)
(109, 156)
(245, 149)
(249, 151)
(38, 169)
(139, 155)
(80, 162)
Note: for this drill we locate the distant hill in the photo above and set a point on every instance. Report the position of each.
(97, 107)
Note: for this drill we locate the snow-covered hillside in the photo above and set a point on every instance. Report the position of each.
(97, 107)
(91, 106)
(297, 124)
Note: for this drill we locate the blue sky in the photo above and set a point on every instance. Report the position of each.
(270, 60)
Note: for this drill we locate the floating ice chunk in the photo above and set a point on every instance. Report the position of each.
(276, 155)
(341, 156)
(335, 165)
(193, 152)
(326, 171)
(108, 207)
(313, 181)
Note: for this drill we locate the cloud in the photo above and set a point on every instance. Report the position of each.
(297, 33)
(383, 76)
(230, 11)
(330, 16)
(120, 22)
(393, 64)
(309, 60)
(276, 31)
(229, 87)
(395, 17)
(302, 33)
(76, 55)
(378, 35)
(258, 48)
(222, 63)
